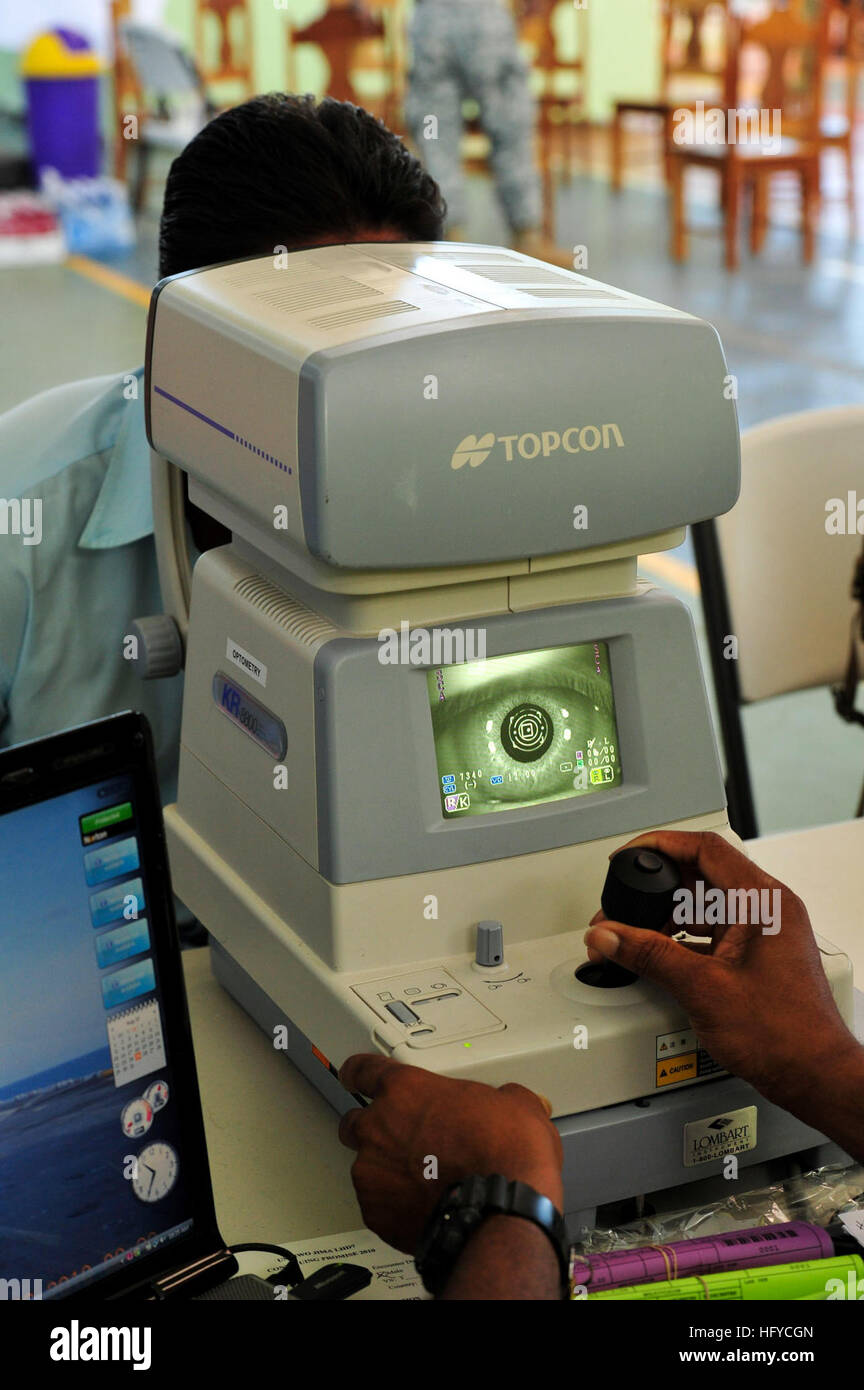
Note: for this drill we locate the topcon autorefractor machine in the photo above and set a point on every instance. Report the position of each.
(426, 694)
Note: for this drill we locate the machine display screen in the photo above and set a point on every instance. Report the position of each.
(521, 730)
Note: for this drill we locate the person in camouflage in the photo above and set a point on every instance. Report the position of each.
(469, 50)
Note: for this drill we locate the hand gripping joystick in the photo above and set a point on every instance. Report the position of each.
(639, 890)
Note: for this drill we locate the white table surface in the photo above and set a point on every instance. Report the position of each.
(278, 1169)
(825, 867)
(277, 1166)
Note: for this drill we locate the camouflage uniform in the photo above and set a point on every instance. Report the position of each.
(468, 49)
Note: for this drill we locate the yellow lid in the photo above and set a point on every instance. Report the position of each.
(50, 55)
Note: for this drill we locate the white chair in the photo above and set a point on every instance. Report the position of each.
(775, 578)
(176, 101)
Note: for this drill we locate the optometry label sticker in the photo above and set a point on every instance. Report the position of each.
(733, 1132)
(250, 664)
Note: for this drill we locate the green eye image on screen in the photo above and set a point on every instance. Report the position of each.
(521, 730)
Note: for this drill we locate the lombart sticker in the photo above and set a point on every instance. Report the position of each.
(731, 1132)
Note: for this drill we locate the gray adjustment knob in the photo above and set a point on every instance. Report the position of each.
(160, 647)
(490, 944)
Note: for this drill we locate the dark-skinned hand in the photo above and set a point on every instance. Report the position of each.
(467, 1128)
(758, 1001)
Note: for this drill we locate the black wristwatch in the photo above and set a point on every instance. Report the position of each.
(465, 1206)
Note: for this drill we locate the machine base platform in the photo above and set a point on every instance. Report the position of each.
(636, 1148)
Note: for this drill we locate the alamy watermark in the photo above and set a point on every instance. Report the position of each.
(718, 907)
(845, 515)
(82, 1343)
(717, 125)
(20, 1290)
(437, 646)
(22, 516)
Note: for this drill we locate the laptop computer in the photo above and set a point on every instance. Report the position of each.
(105, 1190)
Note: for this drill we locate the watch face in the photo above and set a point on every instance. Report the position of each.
(156, 1172)
(137, 1117)
(450, 1225)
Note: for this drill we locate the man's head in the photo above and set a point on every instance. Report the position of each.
(290, 171)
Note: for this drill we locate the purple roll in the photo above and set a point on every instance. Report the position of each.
(652, 1264)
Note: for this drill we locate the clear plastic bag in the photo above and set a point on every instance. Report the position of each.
(817, 1197)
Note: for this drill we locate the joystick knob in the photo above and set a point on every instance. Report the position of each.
(639, 890)
(640, 887)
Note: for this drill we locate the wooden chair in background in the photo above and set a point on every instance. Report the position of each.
(693, 67)
(774, 64)
(353, 40)
(126, 93)
(560, 81)
(389, 57)
(232, 19)
(844, 61)
(561, 88)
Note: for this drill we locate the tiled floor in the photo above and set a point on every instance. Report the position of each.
(794, 337)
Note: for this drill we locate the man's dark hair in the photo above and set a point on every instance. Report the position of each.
(283, 170)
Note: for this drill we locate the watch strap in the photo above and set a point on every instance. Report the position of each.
(466, 1205)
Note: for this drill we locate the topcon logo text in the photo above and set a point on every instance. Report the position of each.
(475, 449)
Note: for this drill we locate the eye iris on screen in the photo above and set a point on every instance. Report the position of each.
(526, 733)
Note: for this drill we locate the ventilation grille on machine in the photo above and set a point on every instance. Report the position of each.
(570, 292)
(405, 260)
(257, 272)
(505, 268)
(537, 283)
(294, 617)
(304, 287)
(308, 289)
(297, 296)
(520, 274)
(362, 313)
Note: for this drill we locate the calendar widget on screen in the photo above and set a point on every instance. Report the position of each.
(135, 1038)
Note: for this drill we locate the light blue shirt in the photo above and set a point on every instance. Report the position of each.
(66, 603)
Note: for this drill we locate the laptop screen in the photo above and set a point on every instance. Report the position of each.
(91, 1168)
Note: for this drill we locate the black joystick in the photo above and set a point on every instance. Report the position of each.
(639, 890)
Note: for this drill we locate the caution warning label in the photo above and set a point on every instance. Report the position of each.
(680, 1057)
(677, 1069)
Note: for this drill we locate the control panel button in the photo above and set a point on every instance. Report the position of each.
(490, 944)
(403, 1013)
(433, 1007)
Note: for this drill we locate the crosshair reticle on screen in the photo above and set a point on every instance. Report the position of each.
(521, 730)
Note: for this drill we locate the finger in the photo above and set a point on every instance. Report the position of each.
(531, 1098)
(653, 956)
(711, 930)
(366, 1072)
(708, 852)
(710, 936)
(349, 1133)
(699, 948)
